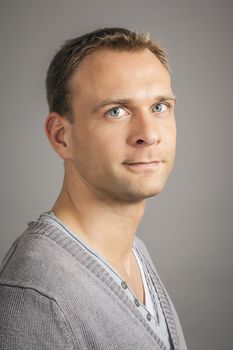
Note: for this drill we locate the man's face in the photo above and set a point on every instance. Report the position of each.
(124, 134)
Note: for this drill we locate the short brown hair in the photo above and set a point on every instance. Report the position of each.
(68, 58)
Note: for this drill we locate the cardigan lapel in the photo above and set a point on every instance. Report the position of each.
(164, 299)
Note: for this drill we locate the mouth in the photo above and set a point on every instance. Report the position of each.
(137, 166)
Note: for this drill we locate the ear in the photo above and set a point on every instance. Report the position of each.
(57, 129)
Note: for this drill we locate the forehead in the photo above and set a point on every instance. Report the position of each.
(120, 73)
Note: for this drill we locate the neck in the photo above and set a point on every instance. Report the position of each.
(107, 226)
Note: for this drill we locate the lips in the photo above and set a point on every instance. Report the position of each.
(142, 165)
(142, 162)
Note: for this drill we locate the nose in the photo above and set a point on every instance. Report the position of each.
(144, 130)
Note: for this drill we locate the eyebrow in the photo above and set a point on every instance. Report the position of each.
(125, 101)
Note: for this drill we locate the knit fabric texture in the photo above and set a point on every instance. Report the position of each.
(55, 295)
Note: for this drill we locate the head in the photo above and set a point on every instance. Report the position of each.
(111, 113)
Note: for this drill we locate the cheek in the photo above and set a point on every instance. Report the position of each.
(95, 149)
(173, 137)
(169, 136)
(108, 140)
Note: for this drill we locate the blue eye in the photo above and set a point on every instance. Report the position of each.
(116, 112)
(160, 107)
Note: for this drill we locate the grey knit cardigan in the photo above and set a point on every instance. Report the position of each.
(55, 295)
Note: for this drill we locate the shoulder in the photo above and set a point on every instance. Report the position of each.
(31, 276)
(35, 261)
(30, 320)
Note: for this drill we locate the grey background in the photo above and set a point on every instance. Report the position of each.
(188, 227)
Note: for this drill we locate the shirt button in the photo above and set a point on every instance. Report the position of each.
(136, 302)
(124, 285)
(148, 316)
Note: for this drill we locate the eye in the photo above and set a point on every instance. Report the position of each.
(160, 107)
(116, 112)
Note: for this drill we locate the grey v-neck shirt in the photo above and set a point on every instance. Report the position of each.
(55, 295)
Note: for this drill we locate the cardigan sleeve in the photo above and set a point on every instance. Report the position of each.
(30, 320)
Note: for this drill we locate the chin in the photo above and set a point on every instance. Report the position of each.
(141, 194)
(145, 186)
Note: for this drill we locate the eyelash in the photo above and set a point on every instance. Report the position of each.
(120, 107)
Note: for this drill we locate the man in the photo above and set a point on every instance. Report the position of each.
(78, 277)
